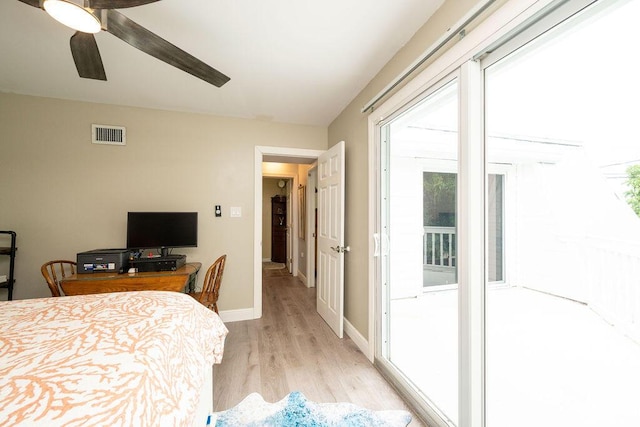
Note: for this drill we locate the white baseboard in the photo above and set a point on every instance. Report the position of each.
(237, 315)
(302, 278)
(357, 338)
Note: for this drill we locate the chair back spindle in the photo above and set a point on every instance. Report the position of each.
(55, 271)
(211, 286)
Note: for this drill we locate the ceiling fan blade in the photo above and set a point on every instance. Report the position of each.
(34, 3)
(143, 39)
(116, 4)
(87, 56)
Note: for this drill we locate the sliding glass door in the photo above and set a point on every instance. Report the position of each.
(532, 151)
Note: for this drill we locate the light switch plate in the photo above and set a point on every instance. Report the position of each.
(236, 212)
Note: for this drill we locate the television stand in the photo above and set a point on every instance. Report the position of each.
(161, 263)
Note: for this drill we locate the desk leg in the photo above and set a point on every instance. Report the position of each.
(191, 286)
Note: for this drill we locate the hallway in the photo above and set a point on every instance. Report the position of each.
(291, 348)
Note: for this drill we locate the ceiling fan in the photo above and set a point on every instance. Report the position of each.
(100, 15)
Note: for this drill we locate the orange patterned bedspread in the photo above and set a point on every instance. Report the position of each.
(119, 359)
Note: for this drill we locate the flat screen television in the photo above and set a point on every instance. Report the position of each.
(162, 230)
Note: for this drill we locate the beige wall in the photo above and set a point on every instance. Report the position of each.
(63, 195)
(351, 126)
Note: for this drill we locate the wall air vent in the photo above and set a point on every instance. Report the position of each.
(110, 135)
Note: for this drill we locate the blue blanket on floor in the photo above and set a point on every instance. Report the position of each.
(296, 410)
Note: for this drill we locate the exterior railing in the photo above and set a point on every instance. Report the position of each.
(612, 277)
(439, 247)
(600, 271)
(607, 277)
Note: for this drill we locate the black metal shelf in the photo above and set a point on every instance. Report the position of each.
(11, 252)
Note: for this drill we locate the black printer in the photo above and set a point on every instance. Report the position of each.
(103, 260)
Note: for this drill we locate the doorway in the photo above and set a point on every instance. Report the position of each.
(269, 162)
(277, 210)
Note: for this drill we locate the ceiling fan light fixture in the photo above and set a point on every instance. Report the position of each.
(72, 15)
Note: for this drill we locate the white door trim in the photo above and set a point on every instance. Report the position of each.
(260, 152)
(312, 183)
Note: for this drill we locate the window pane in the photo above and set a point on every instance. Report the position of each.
(439, 216)
(419, 217)
(563, 327)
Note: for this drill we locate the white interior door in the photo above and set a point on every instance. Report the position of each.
(331, 248)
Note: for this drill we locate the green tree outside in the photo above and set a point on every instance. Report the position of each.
(439, 199)
(633, 193)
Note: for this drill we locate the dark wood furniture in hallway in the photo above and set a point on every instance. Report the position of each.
(279, 229)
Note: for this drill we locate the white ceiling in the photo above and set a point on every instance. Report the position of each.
(292, 61)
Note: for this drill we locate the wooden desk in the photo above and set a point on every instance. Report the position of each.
(98, 283)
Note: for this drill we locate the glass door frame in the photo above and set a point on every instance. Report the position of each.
(517, 22)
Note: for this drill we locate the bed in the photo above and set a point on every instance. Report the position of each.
(117, 359)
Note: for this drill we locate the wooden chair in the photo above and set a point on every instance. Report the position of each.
(211, 286)
(54, 271)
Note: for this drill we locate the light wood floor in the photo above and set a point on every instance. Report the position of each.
(291, 348)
